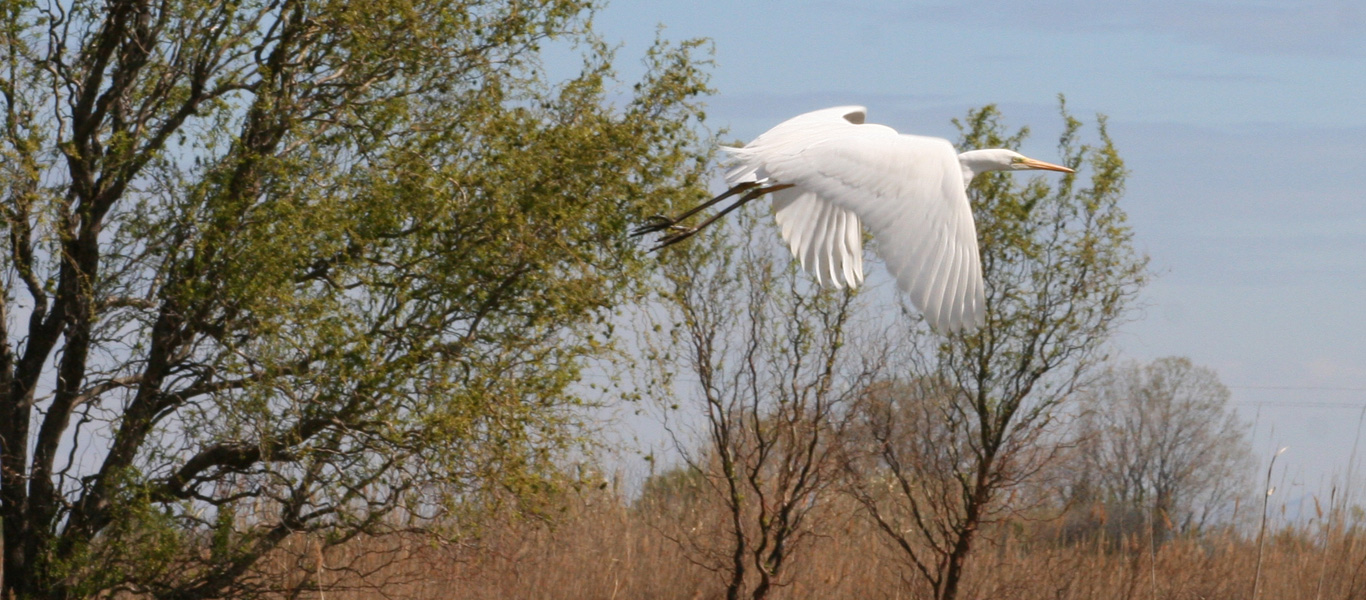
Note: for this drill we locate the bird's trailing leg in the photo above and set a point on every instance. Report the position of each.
(755, 190)
(661, 222)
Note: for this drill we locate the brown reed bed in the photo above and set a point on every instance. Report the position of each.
(599, 547)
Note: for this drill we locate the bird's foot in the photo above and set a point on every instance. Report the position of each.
(653, 224)
(680, 233)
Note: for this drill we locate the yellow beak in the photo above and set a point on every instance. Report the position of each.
(1038, 164)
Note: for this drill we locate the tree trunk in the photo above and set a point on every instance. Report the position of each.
(948, 587)
(972, 518)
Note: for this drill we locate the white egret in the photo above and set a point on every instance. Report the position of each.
(827, 172)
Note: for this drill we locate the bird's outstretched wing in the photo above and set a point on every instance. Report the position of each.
(908, 190)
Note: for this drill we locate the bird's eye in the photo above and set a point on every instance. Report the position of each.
(1015, 160)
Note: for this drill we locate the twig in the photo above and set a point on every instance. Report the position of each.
(1261, 533)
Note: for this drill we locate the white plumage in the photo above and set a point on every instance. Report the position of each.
(828, 172)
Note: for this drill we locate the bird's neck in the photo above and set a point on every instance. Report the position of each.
(976, 162)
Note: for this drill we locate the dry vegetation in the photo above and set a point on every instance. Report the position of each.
(597, 546)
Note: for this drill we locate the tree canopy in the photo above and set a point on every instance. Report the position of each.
(1161, 438)
(284, 266)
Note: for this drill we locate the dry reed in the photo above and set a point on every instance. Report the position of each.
(598, 547)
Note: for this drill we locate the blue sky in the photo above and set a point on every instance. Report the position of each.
(1244, 125)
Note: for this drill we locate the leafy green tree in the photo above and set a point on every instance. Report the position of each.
(276, 267)
(970, 419)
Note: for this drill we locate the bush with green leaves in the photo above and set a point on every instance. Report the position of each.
(281, 266)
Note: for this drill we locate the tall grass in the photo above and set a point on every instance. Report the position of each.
(597, 546)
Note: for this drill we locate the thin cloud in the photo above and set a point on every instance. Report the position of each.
(1217, 78)
(1325, 27)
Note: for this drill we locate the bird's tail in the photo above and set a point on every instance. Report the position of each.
(738, 168)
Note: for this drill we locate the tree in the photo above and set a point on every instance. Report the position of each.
(290, 266)
(1161, 437)
(1061, 273)
(770, 366)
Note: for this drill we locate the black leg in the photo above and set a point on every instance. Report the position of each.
(661, 222)
(685, 233)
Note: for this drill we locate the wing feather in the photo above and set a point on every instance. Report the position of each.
(815, 245)
(907, 189)
(955, 285)
(823, 237)
(935, 284)
(952, 268)
(853, 250)
(834, 252)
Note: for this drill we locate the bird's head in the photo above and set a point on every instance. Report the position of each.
(1001, 159)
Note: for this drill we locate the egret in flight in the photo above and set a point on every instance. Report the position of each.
(827, 171)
